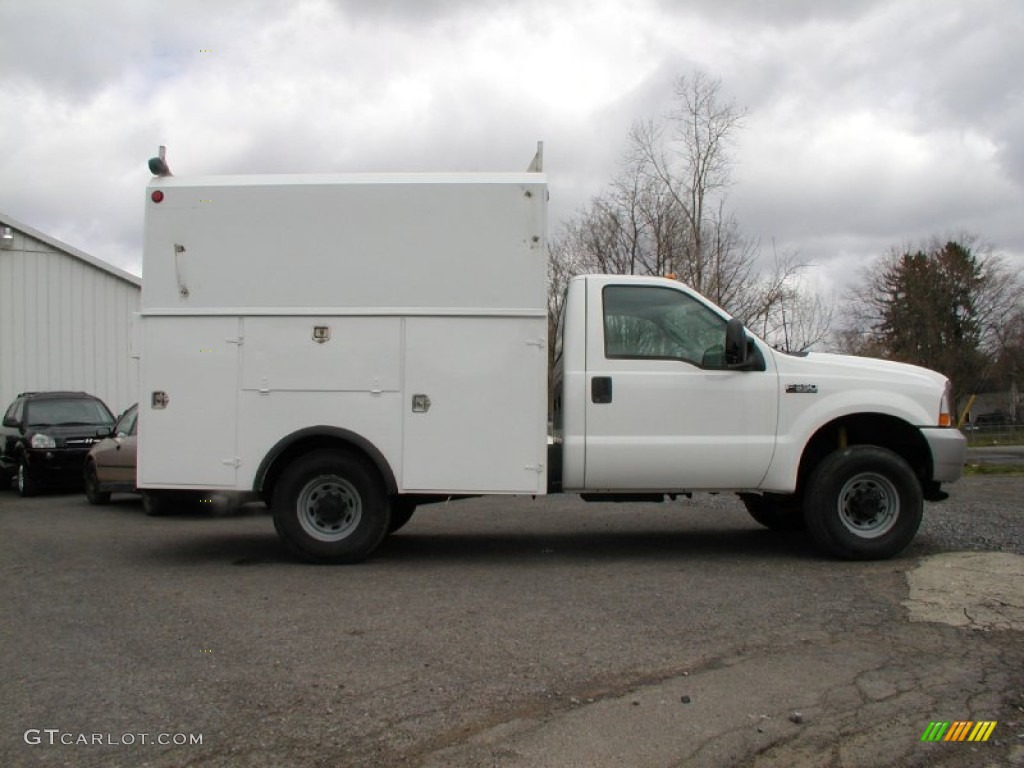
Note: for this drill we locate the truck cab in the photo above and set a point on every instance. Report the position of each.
(658, 391)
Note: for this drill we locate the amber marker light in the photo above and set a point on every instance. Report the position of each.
(946, 406)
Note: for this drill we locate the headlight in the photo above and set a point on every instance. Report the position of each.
(946, 406)
(43, 441)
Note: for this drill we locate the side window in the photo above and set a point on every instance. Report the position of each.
(9, 416)
(17, 410)
(126, 426)
(649, 322)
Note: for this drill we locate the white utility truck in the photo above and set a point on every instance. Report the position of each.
(347, 347)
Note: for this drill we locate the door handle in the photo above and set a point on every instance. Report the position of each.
(601, 389)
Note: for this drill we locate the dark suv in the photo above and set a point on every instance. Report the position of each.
(46, 435)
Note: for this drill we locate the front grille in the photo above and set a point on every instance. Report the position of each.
(81, 442)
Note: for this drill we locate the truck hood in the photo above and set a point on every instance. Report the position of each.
(864, 368)
(846, 383)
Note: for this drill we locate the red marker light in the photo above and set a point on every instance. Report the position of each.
(157, 196)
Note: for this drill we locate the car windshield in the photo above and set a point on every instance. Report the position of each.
(68, 413)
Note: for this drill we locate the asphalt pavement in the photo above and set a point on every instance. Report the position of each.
(508, 632)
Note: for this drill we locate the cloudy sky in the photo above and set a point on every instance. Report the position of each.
(871, 123)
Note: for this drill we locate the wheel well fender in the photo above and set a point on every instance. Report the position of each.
(309, 439)
(879, 429)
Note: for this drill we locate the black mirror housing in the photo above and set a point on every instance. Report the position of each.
(737, 348)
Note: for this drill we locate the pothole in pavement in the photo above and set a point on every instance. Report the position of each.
(975, 590)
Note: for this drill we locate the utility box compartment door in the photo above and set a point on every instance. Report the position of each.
(188, 436)
(475, 405)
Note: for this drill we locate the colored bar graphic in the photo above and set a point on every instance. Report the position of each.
(934, 731)
(982, 731)
(959, 730)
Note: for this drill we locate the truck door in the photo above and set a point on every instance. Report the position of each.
(662, 411)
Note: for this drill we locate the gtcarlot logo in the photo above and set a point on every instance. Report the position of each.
(55, 737)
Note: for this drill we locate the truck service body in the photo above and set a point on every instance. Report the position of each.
(346, 347)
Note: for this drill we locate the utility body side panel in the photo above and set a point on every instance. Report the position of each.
(193, 436)
(291, 381)
(481, 427)
(382, 241)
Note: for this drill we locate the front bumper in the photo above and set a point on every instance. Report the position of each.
(53, 466)
(949, 450)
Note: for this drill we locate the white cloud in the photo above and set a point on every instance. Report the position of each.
(871, 122)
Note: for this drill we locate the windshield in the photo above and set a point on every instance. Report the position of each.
(68, 413)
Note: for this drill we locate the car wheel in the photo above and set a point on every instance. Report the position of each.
(863, 503)
(92, 486)
(156, 503)
(25, 484)
(331, 506)
(775, 510)
(402, 510)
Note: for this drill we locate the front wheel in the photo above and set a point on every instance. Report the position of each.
(331, 506)
(92, 486)
(863, 503)
(25, 484)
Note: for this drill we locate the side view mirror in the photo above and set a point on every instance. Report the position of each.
(737, 349)
(11, 422)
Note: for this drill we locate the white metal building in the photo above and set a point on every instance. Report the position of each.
(65, 319)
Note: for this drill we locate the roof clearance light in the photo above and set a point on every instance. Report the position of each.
(157, 196)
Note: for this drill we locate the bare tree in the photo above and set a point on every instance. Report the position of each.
(687, 157)
(666, 212)
(798, 319)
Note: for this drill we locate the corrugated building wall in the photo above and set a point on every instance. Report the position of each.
(65, 320)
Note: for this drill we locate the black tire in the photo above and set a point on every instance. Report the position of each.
(775, 510)
(157, 503)
(863, 503)
(92, 486)
(402, 510)
(23, 482)
(331, 507)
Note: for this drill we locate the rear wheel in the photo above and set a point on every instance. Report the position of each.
(156, 503)
(331, 506)
(401, 512)
(92, 486)
(863, 503)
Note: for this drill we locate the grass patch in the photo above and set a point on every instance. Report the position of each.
(994, 469)
(986, 437)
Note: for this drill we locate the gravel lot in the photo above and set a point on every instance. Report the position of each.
(984, 512)
(505, 632)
